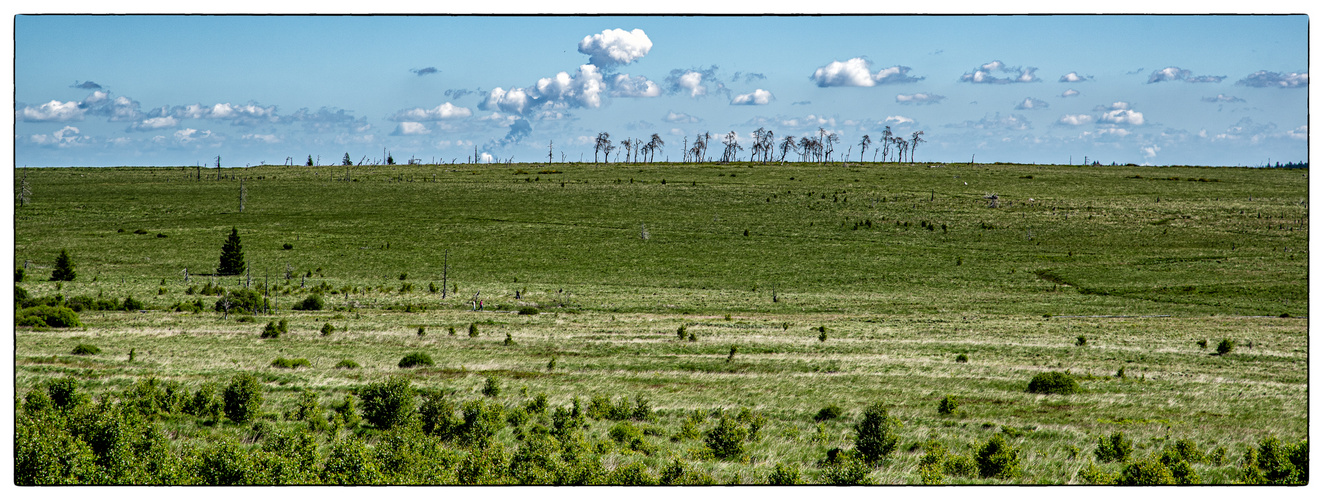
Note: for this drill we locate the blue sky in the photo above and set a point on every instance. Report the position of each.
(181, 90)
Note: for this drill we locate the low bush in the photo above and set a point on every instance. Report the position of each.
(962, 358)
(327, 329)
(313, 302)
(1115, 448)
(784, 475)
(1146, 472)
(416, 359)
(528, 311)
(829, 412)
(240, 301)
(388, 404)
(271, 330)
(947, 405)
(998, 459)
(47, 316)
(726, 440)
(473, 329)
(491, 387)
(633, 474)
(83, 349)
(1053, 383)
(347, 364)
(63, 392)
(845, 468)
(283, 362)
(1225, 347)
(680, 332)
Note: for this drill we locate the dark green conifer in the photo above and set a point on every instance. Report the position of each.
(231, 258)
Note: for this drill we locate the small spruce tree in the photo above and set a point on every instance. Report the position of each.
(231, 258)
(64, 268)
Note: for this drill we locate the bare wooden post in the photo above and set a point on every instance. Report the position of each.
(243, 195)
(445, 271)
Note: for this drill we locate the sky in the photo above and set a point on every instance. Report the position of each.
(181, 90)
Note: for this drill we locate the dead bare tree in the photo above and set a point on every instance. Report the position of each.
(24, 193)
(787, 145)
(886, 143)
(915, 139)
(627, 144)
(654, 144)
(732, 147)
(863, 146)
(602, 143)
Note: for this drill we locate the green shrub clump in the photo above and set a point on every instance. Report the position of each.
(829, 412)
(82, 349)
(327, 329)
(388, 404)
(1225, 347)
(416, 359)
(726, 440)
(998, 459)
(1053, 383)
(1115, 448)
(243, 398)
(948, 405)
(47, 317)
(314, 302)
(491, 387)
(283, 362)
(875, 434)
(528, 310)
(240, 301)
(274, 329)
(1146, 472)
(347, 364)
(962, 358)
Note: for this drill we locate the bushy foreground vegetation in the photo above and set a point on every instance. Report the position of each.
(401, 434)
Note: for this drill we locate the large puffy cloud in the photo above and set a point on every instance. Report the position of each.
(919, 98)
(238, 114)
(756, 98)
(1278, 80)
(515, 100)
(857, 73)
(985, 74)
(1175, 74)
(584, 89)
(54, 111)
(1119, 113)
(615, 47)
(695, 82)
(445, 111)
(638, 86)
(1031, 103)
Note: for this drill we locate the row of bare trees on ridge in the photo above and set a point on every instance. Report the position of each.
(810, 148)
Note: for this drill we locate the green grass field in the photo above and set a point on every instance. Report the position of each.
(905, 266)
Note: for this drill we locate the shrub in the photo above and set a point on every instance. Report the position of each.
(829, 412)
(131, 304)
(962, 358)
(388, 404)
(726, 440)
(327, 329)
(63, 392)
(205, 403)
(998, 459)
(1092, 474)
(313, 302)
(948, 405)
(47, 316)
(680, 332)
(1181, 471)
(492, 387)
(347, 364)
(64, 268)
(36, 401)
(19, 274)
(845, 468)
(1053, 383)
(1225, 347)
(240, 301)
(481, 423)
(822, 333)
(1081, 341)
(1115, 448)
(528, 310)
(271, 331)
(345, 411)
(1187, 450)
(287, 246)
(960, 465)
(350, 462)
(416, 359)
(1275, 462)
(875, 435)
(509, 339)
(82, 349)
(1202, 343)
(283, 362)
(243, 398)
(784, 475)
(473, 329)
(633, 474)
(1145, 472)
(437, 414)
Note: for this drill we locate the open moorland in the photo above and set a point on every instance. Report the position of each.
(664, 324)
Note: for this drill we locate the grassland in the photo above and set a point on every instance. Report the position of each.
(906, 267)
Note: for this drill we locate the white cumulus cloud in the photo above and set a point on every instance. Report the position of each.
(985, 74)
(1073, 77)
(1277, 80)
(63, 138)
(411, 128)
(1119, 113)
(1070, 93)
(1075, 120)
(856, 72)
(1031, 103)
(674, 117)
(54, 111)
(624, 85)
(155, 123)
(615, 47)
(756, 98)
